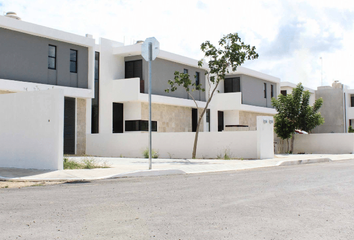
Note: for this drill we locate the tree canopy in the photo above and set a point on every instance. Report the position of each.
(230, 53)
(294, 112)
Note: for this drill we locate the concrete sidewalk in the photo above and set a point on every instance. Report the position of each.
(131, 167)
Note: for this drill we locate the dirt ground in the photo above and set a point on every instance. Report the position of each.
(18, 184)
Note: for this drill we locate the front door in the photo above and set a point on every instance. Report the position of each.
(220, 121)
(69, 125)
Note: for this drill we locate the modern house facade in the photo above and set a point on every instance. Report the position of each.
(37, 58)
(105, 88)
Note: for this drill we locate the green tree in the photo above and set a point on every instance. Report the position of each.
(230, 53)
(294, 113)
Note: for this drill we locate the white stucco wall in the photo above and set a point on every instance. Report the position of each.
(31, 130)
(178, 145)
(331, 143)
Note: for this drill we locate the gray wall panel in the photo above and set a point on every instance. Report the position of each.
(162, 71)
(24, 57)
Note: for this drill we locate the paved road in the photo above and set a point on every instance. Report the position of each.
(313, 201)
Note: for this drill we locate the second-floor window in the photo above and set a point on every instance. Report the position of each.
(185, 71)
(283, 92)
(265, 90)
(197, 80)
(352, 100)
(134, 69)
(52, 57)
(232, 85)
(73, 61)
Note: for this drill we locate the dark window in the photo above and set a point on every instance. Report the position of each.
(194, 119)
(350, 122)
(134, 69)
(283, 92)
(220, 121)
(232, 85)
(197, 80)
(271, 91)
(73, 61)
(352, 100)
(52, 57)
(69, 125)
(95, 100)
(117, 118)
(265, 90)
(140, 125)
(185, 70)
(208, 118)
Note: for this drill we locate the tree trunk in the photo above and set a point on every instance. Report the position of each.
(194, 153)
(287, 145)
(292, 143)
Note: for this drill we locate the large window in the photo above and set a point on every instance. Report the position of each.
(232, 85)
(197, 78)
(117, 118)
(134, 69)
(95, 100)
(265, 90)
(52, 57)
(140, 125)
(352, 100)
(73, 61)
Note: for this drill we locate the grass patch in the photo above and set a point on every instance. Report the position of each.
(154, 154)
(86, 163)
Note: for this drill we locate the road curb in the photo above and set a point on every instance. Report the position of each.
(304, 161)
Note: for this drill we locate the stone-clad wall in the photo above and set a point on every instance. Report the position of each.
(81, 127)
(170, 118)
(250, 119)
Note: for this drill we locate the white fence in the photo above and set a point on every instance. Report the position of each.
(247, 144)
(326, 143)
(31, 129)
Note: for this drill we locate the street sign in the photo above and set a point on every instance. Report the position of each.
(155, 49)
(149, 50)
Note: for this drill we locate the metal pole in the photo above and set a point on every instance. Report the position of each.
(150, 136)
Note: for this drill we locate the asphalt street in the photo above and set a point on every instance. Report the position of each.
(314, 201)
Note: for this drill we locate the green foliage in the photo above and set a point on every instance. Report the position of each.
(230, 53)
(154, 154)
(86, 163)
(350, 129)
(294, 112)
(226, 155)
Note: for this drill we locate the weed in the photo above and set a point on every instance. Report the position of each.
(6, 187)
(224, 155)
(170, 155)
(86, 163)
(154, 154)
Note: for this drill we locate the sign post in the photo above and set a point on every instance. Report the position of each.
(149, 51)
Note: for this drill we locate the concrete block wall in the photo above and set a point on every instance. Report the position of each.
(81, 126)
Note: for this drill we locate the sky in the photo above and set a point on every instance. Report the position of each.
(297, 41)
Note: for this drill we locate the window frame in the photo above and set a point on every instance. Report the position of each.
(75, 61)
(271, 90)
(51, 57)
(197, 78)
(265, 89)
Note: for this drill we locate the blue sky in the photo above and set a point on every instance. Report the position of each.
(290, 36)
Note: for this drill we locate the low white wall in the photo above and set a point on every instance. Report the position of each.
(31, 130)
(334, 143)
(175, 145)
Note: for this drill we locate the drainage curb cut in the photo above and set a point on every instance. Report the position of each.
(306, 161)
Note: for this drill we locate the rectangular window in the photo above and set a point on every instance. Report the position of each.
(265, 90)
(352, 100)
(134, 69)
(197, 80)
(283, 92)
(271, 91)
(232, 85)
(73, 61)
(95, 100)
(185, 70)
(52, 57)
(208, 119)
(194, 119)
(140, 125)
(117, 118)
